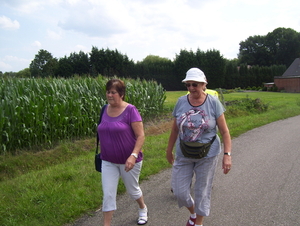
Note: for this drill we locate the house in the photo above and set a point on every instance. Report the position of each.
(290, 80)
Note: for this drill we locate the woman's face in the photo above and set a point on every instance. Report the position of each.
(113, 97)
(195, 87)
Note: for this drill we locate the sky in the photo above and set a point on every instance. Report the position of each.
(136, 28)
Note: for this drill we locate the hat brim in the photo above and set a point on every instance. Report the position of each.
(196, 80)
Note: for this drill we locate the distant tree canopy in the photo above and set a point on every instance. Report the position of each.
(43, 65)
(260, 59)
(280, 46)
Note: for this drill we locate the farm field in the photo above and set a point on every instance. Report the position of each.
(44, 191)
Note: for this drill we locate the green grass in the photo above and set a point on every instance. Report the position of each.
(57, 186)
(172, 98)
(280, 106)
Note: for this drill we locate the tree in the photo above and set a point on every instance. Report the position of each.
(64, 68)
(182, 63)
(157, 68)
(254, 51)
(284, 45)
(79, 63)
(231, 74)
(25, 73)
(280, 46)
(43, 64)
(214, 68)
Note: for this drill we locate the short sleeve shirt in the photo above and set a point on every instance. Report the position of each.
(198, 123)
(117, 139)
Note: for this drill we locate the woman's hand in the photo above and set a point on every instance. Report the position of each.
(170, 157)
(130, 162)
(226, 166)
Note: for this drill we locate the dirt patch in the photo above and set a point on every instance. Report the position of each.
(158, 125)
(159, 128)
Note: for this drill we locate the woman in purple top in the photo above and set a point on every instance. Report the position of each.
(121, 136)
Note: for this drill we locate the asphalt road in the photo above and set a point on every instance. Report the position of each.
(263, 187)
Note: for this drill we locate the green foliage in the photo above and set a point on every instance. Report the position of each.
(25, 73)
(43, 64)
(40, 112)
(279, 47)
(210, 62)
(245, 106)
(147, 96)
(156, 68)
(109, 63)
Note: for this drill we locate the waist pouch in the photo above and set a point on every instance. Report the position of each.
(194, 149)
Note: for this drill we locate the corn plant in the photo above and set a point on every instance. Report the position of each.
(40, 112)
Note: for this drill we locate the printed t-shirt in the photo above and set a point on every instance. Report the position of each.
(198, 123)
(117, 139)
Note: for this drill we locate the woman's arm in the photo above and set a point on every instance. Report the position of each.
(138, 129)
(172, 140)
(224, 131)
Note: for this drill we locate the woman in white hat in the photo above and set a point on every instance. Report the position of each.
(197, 116)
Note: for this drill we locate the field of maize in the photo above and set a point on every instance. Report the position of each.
(39, 112)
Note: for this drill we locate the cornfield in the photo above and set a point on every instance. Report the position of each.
(40, 112)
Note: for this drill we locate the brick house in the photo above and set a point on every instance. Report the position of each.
(290, 80)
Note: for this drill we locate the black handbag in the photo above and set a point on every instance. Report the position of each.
(197, 151)
(98, 160)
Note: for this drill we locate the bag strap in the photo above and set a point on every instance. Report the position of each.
(213, 139)
(100, 118)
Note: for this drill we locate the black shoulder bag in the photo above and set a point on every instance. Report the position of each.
(98, 160)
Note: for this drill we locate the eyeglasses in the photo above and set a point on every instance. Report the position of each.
(193, 84)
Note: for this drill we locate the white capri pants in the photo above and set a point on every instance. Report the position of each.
(182, 175)
(111, 173)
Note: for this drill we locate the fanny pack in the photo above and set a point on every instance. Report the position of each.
(194, 149)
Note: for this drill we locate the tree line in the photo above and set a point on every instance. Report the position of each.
(260, 58)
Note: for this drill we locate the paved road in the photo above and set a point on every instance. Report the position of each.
(263, 187)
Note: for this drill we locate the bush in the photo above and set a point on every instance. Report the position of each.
(245, 106)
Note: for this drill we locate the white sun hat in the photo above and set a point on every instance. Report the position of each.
(195, 74)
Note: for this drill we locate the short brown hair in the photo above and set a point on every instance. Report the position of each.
(117, 84)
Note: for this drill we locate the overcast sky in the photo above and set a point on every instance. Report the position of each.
(137, 28)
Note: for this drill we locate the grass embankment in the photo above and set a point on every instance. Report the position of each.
(57, 186)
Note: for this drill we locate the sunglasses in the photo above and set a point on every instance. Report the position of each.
(191, 84)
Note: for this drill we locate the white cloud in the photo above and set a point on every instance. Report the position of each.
(7, 23)
(8, 63)
(5, 67)
(54, 35)
(82, 48)
(137, 28)
(36, 44)
(95, 19)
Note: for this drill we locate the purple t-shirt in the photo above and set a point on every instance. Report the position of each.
(116, 136)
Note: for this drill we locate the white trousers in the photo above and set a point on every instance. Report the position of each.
(111, 173)
(182, 175)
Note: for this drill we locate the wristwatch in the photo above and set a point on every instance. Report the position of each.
(135, 155)
(227, 153)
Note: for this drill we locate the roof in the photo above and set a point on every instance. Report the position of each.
(293, 69)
